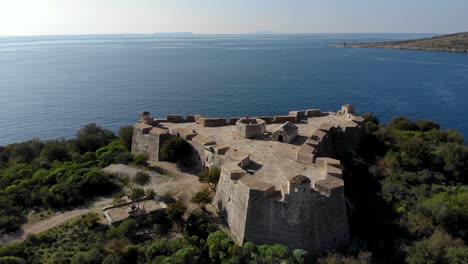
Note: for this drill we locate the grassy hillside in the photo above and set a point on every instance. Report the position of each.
(455, 42)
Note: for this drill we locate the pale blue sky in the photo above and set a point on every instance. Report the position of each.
(50, 17)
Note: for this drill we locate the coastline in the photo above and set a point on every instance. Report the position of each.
(370, 46)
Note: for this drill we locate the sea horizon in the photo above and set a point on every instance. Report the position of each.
(52, 85)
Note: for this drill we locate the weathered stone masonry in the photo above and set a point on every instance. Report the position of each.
(278, 183)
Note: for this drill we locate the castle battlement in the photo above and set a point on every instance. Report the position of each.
(279, 182)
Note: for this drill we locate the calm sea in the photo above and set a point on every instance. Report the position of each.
(51, 86)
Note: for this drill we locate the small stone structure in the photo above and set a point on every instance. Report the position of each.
(116, 214)
(285, 133)
(270, 193)
(250, 128)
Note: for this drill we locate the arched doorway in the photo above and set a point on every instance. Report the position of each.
(280, 138)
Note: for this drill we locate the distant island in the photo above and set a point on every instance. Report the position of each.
(454, 42)
(172, 33)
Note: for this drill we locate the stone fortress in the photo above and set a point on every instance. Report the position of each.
(278, 181)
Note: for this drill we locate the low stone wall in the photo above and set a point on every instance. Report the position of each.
(284, 119)
(212, 122)
(298, 114)
(313, 112)
(333, 183)
(232, 121)
(267, 119)
(306, 153)
(175, 118)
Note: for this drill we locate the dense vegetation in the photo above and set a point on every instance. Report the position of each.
(407, 193)
(176, 150)
(155, 239)
(38, 175)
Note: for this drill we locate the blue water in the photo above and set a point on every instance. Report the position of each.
(51, 86)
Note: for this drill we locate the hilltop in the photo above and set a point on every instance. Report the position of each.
(454, 42)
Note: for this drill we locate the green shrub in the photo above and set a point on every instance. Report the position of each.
(126, 136)
(202, 198)
(91, 137)
(55, 150)
(142, 178)
(210, 176)
(176, 150)
(113, 153)
(12, 260)
(141, 159)
(425, 125)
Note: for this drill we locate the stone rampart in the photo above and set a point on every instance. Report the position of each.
(148, 140)
(267, 119)
(175, 118)
(303, 216)
(298, 114)
(299, 213)
(232, 120)
(212, 122)
(313, 112)
(284, 119)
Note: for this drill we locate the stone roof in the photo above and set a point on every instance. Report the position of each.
(319, 134)
(255, 184)
(183, 131)
(326, 127)
(159, 130)
(306, 149)
(204, 140)
(221, 148)
(288, 127)
(357, 119)
(143, 126)
(237, 155)
(299, 179)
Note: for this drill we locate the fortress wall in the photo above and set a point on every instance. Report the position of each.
(284, 119)
(140, 142)
(184, 133)
(232, 120)
(212, 122)
(148, 142)
(298, 114)
(205, 154)
(349, 139)
(306, 153)
(305, 220)
(313, 112)
(325, 147)
(333, 141)
(175, 118)
(199, 153)
(231, 199)
(267, 119)
(238, 157)
(333, 229)
(191, 118)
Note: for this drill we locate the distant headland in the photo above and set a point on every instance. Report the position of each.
(454, 43)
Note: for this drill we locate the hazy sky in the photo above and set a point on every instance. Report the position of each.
(47, 17)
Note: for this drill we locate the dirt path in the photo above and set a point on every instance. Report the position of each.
(51, 222)
(166, 179)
